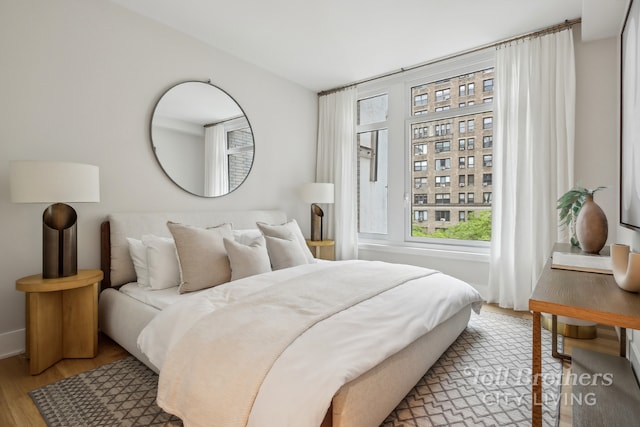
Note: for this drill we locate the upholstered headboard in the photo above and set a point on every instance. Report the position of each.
(116, 261)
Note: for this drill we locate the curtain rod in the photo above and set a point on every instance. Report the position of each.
(552, 29)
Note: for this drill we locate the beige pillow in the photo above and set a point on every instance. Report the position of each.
(284, 253)
(201, 254)
(247, 260)
(288, 230)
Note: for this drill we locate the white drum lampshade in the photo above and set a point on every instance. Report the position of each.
(57, 183)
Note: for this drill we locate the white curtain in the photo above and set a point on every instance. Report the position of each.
(337, 163)
(216, 169)
(533, 152)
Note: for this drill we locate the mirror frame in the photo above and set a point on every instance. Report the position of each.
(153, 147)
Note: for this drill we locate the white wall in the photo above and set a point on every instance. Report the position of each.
(78, 82)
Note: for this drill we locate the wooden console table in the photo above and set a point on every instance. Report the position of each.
(588, 296)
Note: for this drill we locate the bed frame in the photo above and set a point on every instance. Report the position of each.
(364, 402)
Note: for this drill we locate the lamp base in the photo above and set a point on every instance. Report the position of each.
(316, 222)
(59, 241)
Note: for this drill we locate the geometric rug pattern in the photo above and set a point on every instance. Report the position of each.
(483, 379)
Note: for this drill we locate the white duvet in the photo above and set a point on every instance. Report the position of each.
(298, 389)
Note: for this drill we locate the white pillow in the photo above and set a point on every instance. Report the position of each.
(247, 236)
(288, 230)
(162, 262)
(284, 253)
(247, 260)
(138, 253)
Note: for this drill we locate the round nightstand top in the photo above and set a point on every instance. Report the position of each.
(36, 283)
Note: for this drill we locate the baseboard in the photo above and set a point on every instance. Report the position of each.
(12, 343)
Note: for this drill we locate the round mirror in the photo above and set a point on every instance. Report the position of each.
(202, 139)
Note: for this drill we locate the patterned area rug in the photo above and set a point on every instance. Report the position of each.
(482, 379)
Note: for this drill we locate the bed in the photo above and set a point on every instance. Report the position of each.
(364, 400)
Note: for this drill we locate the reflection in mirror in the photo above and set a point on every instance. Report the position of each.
(202, 139)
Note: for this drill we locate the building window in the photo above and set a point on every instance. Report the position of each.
(461, 198)
(461, 162)
(420, 100)
(487, 160)
(462, 90)
(420, 166)
(420, 132)
(487, 141)
(443, 181)
(462, 127)
(443, 129)
(443, 108)
(419, 149)
(461, 144)
(420, 199)
(420, 216)
(470, 142)
(471, 89)
(461, 216)
(487, 123)
(470, 179)
(420, 183)
(443, 95)
(443, 216)
(470, 198)
(487, 85)
(487, 179)
(442, 164)
(487, 100)
(470, 162)
(471, 125)
(486, 198)
(443, 146)
(461, 180)
(443, 199)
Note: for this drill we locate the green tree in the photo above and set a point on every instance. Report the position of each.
(477, 227)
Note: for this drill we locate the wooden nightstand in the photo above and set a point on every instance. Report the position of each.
(62, 317)
(322, 249)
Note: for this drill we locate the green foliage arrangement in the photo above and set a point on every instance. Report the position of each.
(569, 205)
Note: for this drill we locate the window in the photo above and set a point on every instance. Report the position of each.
(443, 181)
(470, 198)
(486, 198)
(420, 216)
(461, 216)
(443, 199)
(487, 141)
(487, 160)
(486, 179)
(487, 123)
(487, 100)
(372, 140)
(487, 85)
(442, 146)
(420, 166)
(442, 164)
(443, 216)
(456, 116)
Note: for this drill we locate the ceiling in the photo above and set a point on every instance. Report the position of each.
(326, 44)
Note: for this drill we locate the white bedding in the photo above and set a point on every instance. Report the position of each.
(326, 355)
(159, 299)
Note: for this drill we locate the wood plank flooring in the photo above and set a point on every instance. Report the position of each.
(17, 408)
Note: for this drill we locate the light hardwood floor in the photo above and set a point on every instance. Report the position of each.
(17, 408)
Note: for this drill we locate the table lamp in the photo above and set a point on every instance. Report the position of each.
(56, 182)
(317, 192)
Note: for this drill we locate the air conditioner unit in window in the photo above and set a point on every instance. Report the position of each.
(462, 184)
(484, 184)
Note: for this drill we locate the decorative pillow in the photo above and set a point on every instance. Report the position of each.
(138, 253)
(247, 236)
(162, 262)
(247, 260)
(201, 254)
(288, 230)
(284, 253)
